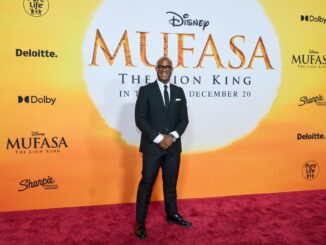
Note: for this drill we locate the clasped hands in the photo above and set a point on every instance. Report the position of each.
(166, 142)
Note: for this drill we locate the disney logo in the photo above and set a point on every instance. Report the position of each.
(36, 133)
(178, 20)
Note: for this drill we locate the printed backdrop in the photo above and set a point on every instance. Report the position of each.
(253, 73)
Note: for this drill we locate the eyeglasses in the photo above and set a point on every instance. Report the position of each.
(162, 67)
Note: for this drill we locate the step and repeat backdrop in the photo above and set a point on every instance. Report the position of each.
(253, 73)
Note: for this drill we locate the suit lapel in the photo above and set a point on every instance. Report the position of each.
(158, 95)
(172, 97)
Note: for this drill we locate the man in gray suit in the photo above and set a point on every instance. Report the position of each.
(162, 117)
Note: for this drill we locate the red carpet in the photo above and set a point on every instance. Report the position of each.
(286, 218)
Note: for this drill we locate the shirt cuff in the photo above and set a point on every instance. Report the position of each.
(175, 134)
(158, 139)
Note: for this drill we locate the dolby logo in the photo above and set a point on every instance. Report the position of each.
(36, 100)
(311, 18)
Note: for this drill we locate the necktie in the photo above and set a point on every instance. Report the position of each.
(166, 97)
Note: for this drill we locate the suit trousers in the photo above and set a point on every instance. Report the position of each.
(170, 170)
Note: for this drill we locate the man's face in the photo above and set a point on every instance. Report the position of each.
(164, 69)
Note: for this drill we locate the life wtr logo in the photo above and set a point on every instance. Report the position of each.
(34, 99)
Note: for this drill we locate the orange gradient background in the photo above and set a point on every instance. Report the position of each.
(99, 167)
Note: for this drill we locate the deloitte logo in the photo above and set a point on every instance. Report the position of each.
(229, 70)
(34, 99)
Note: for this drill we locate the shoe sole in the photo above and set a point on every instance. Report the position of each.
(173, 222)
(140, 238)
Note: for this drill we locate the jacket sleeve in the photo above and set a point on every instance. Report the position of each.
(141, 115)
(183, 116)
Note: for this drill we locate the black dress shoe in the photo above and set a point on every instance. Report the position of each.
(140, 231)
(178, 219)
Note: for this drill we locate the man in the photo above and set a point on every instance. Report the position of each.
(161, 115)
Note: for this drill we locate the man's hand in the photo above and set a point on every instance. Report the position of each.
(166, 142)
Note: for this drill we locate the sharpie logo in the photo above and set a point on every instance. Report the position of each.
(47, 183)
(185, 20)
(318, 100)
